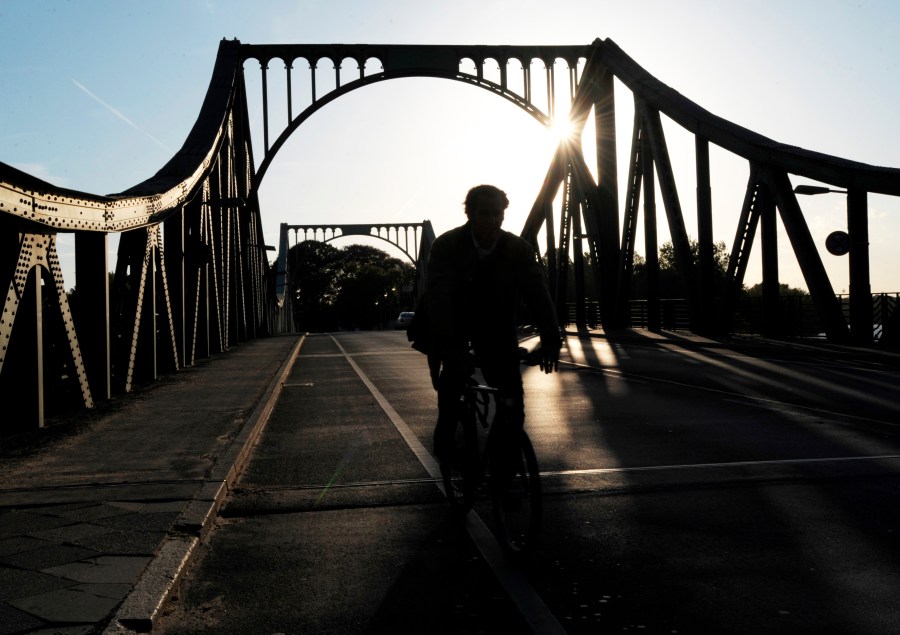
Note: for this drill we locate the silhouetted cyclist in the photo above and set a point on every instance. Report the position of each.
(478, 275)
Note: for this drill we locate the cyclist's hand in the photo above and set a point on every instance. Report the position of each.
(549, 362)
(549, 354)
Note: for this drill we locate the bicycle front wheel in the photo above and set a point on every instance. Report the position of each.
(516, 497)
(459, 467)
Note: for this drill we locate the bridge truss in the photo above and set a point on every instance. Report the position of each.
(191, 278)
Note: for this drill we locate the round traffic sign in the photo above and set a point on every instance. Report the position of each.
(838, 243)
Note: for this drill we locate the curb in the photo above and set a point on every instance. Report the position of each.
(145, 602)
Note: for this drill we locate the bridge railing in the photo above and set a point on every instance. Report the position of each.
(797, 317)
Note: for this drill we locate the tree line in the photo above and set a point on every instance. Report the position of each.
(359, 287)
(671, 283)
(356, 287)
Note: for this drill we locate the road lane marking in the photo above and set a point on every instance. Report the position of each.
(694, 466)
(530, 605)
(600, 470)
(428, 462)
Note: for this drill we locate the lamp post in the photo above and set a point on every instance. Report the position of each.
(858, 230)
(810, 190)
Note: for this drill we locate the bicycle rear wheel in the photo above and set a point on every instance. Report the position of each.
(516, 498)
(459, 467)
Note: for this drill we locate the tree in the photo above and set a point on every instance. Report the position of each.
(671, 283)
(314, 270)
(783, 290)
(357, 287)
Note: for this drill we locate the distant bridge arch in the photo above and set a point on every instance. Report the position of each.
(388, 232)
(416, 250)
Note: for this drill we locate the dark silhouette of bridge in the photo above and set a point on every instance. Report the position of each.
(191, 276)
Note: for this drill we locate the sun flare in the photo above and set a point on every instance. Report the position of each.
(562, 129)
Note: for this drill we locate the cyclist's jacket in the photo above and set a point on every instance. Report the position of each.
(474, 297)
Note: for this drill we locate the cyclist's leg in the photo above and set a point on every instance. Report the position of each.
(450, 385)
(502, 372)
(515, 479)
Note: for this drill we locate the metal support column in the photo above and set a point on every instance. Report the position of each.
(39, 346)
(861, 318)
(608, 197)
(771, 302)
(92, 310)
(707, 295)
(650, 236)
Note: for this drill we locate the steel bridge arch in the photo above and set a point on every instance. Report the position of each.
(492, 87)
(442, 58)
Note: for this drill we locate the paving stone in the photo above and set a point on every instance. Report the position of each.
(102, 570)
(19, 523)
(132, 506)
(84, 629)
(165, 506)
(12, 620)
(142, 521)
(19, 582)
(57, 510)
(97, 512)
(79, 604)
(18, 544)
(67, 534)
(132, 543)
(49, 556)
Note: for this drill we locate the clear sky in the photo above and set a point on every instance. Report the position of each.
(99, 94)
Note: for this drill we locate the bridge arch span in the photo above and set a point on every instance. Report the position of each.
(409, 245)
(409, 61)
(492, 87)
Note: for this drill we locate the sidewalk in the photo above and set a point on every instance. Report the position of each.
(97, 524)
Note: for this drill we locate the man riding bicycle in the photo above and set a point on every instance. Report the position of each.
(478, 274)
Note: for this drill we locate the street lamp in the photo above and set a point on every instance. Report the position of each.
(810, 190)
(855, 242)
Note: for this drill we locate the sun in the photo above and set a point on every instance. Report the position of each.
(562, 129)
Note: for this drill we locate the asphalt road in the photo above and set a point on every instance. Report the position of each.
(689, 488)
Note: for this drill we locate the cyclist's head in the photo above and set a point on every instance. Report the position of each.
(485, 205)
(485, 198)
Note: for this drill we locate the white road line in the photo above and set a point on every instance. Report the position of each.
(606, 470)
(695, 466)
(526, 599)
(425, 458)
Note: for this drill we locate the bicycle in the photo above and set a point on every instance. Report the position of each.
(474, 460)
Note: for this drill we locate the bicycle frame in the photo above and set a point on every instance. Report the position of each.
(517, 534)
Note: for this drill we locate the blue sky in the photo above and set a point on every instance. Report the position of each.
(99, 94)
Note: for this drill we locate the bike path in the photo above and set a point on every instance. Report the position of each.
(336, 525)
(99, 516)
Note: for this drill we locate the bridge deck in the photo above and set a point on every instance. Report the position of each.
(87, 507)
